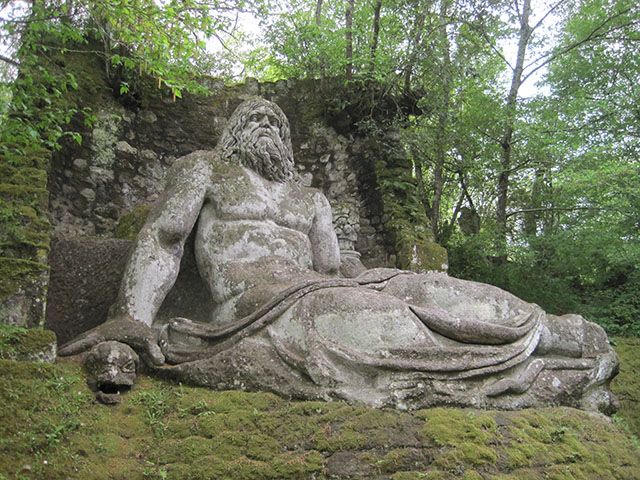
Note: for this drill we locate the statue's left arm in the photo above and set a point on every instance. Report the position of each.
(324, 243)
(154, 263)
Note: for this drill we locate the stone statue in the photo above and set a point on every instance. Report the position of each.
(287, 321)
(111, 370)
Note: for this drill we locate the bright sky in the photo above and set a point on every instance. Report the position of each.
(545, 36)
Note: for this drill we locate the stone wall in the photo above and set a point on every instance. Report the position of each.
(124, 158)
(101, 189)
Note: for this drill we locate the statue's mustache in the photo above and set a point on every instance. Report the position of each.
(267, 141)
(261, 131)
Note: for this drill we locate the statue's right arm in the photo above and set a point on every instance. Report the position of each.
(153, 266)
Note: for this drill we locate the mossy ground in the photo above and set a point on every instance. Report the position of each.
(627, 384)
(17, 343)
(51, 428)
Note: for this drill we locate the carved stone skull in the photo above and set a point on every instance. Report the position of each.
(111, 370)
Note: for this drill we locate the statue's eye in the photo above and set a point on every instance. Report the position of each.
(254, 118)
(130, 366)
(274, 121)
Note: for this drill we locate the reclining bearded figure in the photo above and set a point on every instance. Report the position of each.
(286, 321)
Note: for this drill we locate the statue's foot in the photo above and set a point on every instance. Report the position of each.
(598, 396)
(518, 383)
(600, 399)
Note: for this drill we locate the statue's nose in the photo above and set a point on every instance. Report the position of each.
(264, 121)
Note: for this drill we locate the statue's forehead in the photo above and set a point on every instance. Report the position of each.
(266, 109)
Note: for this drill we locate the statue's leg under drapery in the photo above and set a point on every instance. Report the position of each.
(416, 340)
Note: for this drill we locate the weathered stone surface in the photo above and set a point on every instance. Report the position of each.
(284, 320)
(111, 370)
(85, 275)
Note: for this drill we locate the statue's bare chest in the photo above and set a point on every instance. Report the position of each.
(242, 195)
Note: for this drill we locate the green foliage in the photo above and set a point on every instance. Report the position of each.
(573, 241)
(164, 40)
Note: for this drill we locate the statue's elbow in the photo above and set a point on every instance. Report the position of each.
(327, 266)
(158, 238)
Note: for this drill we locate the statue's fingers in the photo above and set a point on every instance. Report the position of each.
(149, 350)
(181, 325)
(80, 345)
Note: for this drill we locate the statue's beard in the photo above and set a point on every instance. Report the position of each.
(264, 152)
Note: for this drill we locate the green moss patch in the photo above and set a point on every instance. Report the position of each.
(18, 343)
(627, 384)
(52, 428)
(132, 222)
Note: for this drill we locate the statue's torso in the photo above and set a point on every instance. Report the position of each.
(252, 233)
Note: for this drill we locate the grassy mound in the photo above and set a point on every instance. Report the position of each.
(18, 343)
(51, 428)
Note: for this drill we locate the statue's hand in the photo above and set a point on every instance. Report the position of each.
(142, 338)
(183, 340)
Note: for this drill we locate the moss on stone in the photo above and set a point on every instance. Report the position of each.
(131, 222)
(18, 343)
(404, 216)
(416, 250)
(627, 384)
(164, 430)
(24, 236)
(16, 273)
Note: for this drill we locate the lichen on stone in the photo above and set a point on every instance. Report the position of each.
(131, 222)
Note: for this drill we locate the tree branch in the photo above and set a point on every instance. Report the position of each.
(491, 45)
(595, 33)
(9, 61)
(548, 12)
(553, 209)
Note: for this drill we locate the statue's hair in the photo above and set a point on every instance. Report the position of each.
(232, 145)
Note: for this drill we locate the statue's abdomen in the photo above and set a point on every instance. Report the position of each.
(232, 253)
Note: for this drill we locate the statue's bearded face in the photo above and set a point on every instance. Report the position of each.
(258, 135)
(261, 146)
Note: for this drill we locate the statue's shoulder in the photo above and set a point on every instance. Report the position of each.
(316, 194)
(208, 162)
(193, 161)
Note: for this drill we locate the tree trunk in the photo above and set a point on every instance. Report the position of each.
(412, 48)
(375, 35)
(349, 38)
(443, 117)
(507, 136)
(534, 208)
(318, 12)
